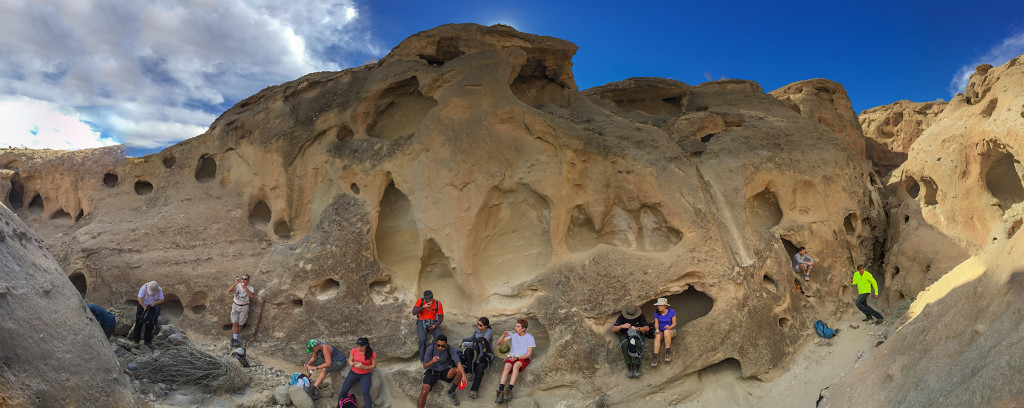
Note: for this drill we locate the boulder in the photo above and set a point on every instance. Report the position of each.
(299, 397)
(282, 395)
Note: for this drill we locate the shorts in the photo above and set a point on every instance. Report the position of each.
(525, 362)
(430, 377)
(336, 365)
(239, 313)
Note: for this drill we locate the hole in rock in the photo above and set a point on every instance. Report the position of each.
(17, 194)
(169, 161)
(82, 284)
(707, 138)
(436, 274)
(81, 213)
(198, 301)
(656, 234)
(895, 273)
(911, 187)
(990, 107)
(198, 309)
(172, 306)
(511, 238)
(874, 180)
(906, 219)
(61, 215)
(397, 239)
(110, 179)
(848, 223)
(143, 187)
(784, 322)
(36, 205)
(1014, 228)
(930, 191)
(769, 283)
(282, 230)
(259, 216)
(1002, 178)
(344, 134)
(763, 211)
(354, 188)
(689, 305)
(297, 304)
(206, 170)
(582, 235)
(402, 108)
(326, 289)
(534, 87)
(446, 49)
(723, 372)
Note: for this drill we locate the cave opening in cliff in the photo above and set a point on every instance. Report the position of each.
(80, 282)
(911, 187)
(690, 304)
(81, 214)
(206, 169)
(36, 205)
(260, 214)
(763, 211)
(169, 161)
(534, 86)
(326, 289)
(110, 180)
(401, 109)
(17, 194)
(848, 224)
(1003, 177)
(143, 187)
(282, 229)
(171, 307)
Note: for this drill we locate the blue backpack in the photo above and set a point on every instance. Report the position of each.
(823, 330)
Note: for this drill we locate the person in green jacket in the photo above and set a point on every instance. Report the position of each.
(865, 284)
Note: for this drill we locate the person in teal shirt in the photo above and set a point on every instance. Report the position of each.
(865, 284)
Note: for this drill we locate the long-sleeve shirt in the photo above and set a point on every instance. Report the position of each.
(486, 334)
(801, 259)
(865, 282)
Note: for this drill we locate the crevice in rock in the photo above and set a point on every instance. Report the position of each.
(81, 214)
(722, 371)
(206, 169)
(260, 214)
(344, 134)
(80, 282)
(400, 110)
(763, 211)
(110, 180)
(143, 187)
(791, 248)
(326, 289)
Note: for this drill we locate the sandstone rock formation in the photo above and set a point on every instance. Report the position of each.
(891, 129)
(959, 194)
(52, 351)
(466, 162)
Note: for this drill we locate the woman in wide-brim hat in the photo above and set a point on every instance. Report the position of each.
(664, 329)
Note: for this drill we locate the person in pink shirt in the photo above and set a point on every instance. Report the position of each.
(361, 360)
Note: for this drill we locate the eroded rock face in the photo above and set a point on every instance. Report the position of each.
(826, 103)
(467, 163)
(960, 191)
(53, 351)
(891, 129)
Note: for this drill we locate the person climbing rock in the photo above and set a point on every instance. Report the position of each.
(631, 318)
(105, 319)
(244, 292)
(803, 263)
(150, 296)
(429, 315)
(478, 354)
(325, 358)
(664, 329)
(519, 354)
(865, 284)
(441, 362)
(362, 360)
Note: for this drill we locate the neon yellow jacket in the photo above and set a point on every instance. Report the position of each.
(865, 282)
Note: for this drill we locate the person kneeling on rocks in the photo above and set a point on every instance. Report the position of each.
(441, 363)
(151, 295)
(631, 326)
(865, 283)
(325, 358)
(106, 319)
(519, 353)
(240, 309)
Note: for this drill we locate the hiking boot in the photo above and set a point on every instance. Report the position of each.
(629, 371)
(451, 394)
(235, 343)
(878, 320)
(638, 372)
(668, 355)
(508, 395)
(807, 277)
(472, 394)
(654, 361)
(500, 396)
(867, 319)
(313, 393)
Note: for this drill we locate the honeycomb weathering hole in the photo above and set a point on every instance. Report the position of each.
(691, 304)
(533, 86)
(763, 211)
(397, 238)
(1002, 179)
(355, 188)
(990, 107)
(81, 283)
(260, 214)
(446, 49)
(169, 161)
(582, 235)
(769, 283)
(143, 187)
(722, 372)
(645, 229)
(36, 205)
(110, 179)
(61, 215)
(297, 304)
(198, 309)
(436, 274)
(784, 322)
(206, 170)
(511, 238)
(17, 194)
(282, 229)
(848, 224)
(172, 306)
(327, 289)
(198, 302)
(402, 108)
(912, 187)
(1014, 228)
(931, 191)
(344, 134)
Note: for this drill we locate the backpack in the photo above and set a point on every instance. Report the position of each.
(348, 401)
(300, 380)
(635, 344)
(823, 330)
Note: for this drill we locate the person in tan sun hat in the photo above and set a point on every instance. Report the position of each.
(664, 329)
(150, 296)
(631, 327)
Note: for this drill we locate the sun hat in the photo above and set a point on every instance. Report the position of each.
(661, 302)
(151, 288)
(631, 312)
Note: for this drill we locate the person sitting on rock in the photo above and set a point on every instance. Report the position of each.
(151, 295)
(477, 352)
(664, 329)
(803, 263)
(441, 363)
(631, 318)
(240, 308)
(325, 358)
(865, 284)
(519, 354)
(429, 315)
(106, 319)
(362, 359)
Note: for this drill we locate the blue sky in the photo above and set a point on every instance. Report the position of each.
(77, 74)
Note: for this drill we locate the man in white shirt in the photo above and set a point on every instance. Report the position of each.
(244, 292)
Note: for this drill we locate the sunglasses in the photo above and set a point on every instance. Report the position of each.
(245, 279)
(479, 325)
(440, 346)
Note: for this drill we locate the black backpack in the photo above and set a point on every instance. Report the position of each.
(634, 343)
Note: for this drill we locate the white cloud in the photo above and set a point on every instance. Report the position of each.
(152, 73)
(1010, 48)
(42, 125)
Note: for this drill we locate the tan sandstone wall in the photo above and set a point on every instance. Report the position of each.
(891, 129)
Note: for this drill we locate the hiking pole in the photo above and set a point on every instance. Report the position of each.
(257, 327)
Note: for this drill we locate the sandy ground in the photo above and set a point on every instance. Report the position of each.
(817, 366)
